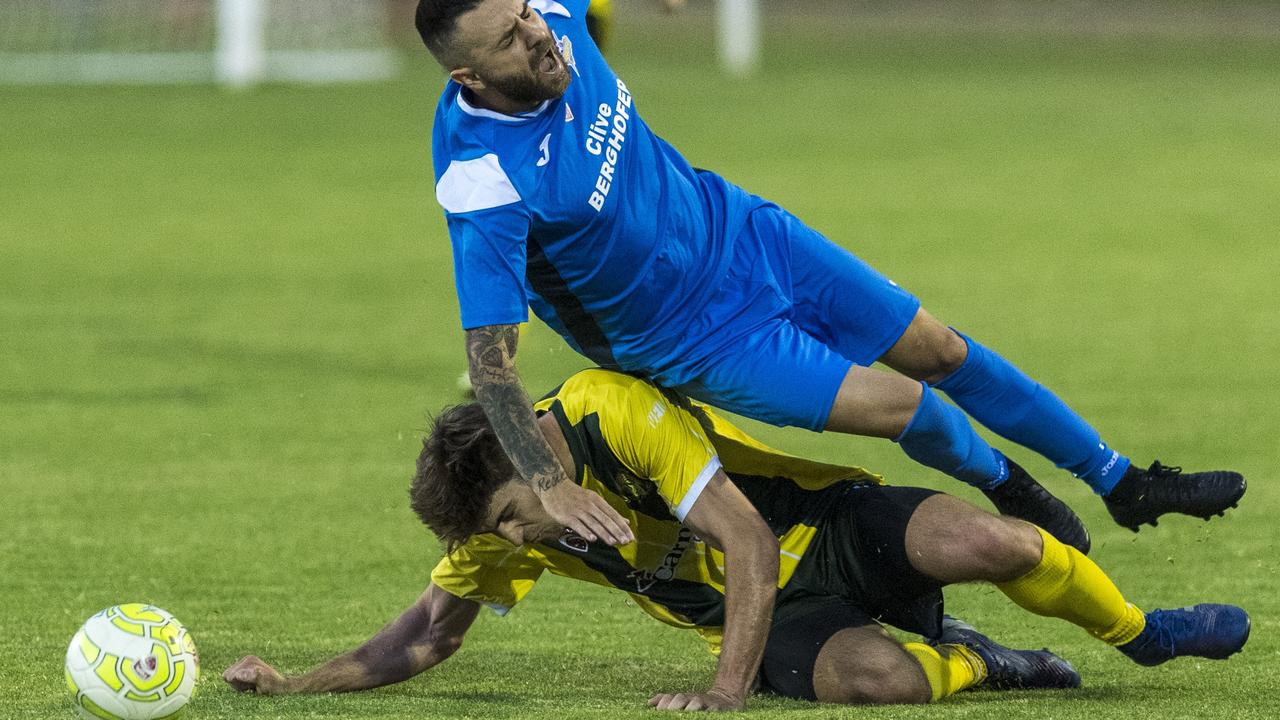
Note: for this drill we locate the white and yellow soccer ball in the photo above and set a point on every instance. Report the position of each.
(132, 662)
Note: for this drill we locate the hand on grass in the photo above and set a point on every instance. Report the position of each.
(713, 700)
(585, 513)
(252, 675)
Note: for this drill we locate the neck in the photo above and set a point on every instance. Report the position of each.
(490, 99)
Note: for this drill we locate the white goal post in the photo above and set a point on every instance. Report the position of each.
(242, 42)
(232, 42)
(738, 35)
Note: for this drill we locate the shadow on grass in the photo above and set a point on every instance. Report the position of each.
(980, 696)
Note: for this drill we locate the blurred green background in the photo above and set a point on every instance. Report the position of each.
(224, 318)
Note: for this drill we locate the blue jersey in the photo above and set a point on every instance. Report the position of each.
(578, 210)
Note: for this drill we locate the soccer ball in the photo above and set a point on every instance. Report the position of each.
(132, 662)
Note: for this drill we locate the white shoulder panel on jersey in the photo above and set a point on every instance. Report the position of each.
(479, 184)
(549, 6)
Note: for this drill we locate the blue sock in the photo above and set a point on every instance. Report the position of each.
(1003, 398)
(941, 437)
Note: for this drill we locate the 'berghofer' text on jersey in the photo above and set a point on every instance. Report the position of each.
(615, 121)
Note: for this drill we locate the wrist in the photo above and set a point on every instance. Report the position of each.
(545, 485)
(288, 686)
(737, 696)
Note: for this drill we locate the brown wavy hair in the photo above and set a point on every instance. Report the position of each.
(459, 469)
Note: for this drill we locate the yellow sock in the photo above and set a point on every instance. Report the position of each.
(948, 668)
(1068, 585)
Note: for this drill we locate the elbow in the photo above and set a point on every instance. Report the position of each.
(437, 651)
(444, 645)
(765, 548)
(772, 565)
(765, 540)
(448, 646)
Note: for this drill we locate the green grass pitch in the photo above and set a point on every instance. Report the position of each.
(225, 316)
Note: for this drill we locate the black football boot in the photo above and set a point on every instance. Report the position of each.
(1022, 497)
(1142, 496)
(1009, 669)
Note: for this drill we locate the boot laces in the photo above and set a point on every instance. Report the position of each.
(1184, 490)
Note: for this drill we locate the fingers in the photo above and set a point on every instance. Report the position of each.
(252, 675)
(594, 528)
(581, 528)
(605, 522)
(588, 515)
(679, 701)
(713, 701)
(613, 524)
(243, 676)
(598, 526)
(668, 701)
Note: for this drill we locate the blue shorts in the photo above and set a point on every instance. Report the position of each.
(795, 312)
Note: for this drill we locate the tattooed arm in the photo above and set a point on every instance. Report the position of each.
(491, 362)
(422, 637)
(491, 353)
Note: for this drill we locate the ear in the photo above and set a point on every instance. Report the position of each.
(467, 78)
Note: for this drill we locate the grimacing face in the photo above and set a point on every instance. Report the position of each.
(510, 50)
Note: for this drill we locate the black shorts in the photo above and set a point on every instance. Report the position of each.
(854, 573)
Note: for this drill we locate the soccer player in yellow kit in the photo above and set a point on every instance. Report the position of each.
(785, 566)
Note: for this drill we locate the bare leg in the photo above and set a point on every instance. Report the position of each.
(927, 351)
(864, 665)
(874, 403)
(935, 434)
(952, 541)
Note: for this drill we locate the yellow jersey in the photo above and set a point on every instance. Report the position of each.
(650, 453)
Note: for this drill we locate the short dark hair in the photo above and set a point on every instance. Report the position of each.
(460, 468)
(436, 20)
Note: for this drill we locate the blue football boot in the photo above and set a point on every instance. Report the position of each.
(1208, 631)
(1009, 669)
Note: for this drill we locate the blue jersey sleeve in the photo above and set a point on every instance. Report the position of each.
(488, 265)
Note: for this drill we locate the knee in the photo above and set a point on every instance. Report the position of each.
(928, 351)
(1004, 549)
(878, 681)
(947, 353)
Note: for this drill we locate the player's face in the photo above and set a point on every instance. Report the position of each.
(511, 51)
(517, 516)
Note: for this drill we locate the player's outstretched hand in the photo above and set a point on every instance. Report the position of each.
(586, 513)
(252, 675)
(712, 700)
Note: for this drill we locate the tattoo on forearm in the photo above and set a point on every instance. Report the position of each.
(491, 358)
(491, 354)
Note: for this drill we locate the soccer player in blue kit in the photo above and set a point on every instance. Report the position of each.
(559, 197)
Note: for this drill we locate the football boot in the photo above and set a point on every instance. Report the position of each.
(1142, 496)
(1022, 497)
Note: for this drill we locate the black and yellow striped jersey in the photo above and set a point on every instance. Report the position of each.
(650, 453)
(600, 22)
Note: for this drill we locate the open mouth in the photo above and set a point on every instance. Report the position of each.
(549, 64)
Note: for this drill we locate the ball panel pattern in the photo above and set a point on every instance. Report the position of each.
(131, 662)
